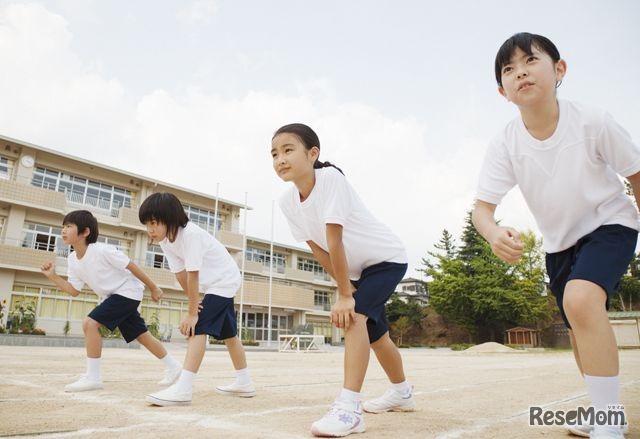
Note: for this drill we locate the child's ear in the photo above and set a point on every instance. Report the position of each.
(561, 70)
(503, 93)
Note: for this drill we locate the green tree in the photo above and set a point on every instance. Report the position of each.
(400, 327)
(478, 291)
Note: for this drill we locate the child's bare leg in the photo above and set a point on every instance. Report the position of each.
(92, 337)
(236, 352)
(389, 358)
(152, 344)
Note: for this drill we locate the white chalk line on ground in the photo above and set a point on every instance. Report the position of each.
(172, 416)
(480, 426)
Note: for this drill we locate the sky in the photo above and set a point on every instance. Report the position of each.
(401, 93)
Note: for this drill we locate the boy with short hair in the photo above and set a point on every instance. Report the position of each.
(565, 157)
(119, 282)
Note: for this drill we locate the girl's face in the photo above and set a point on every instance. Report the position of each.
(291, 160)
(528, 80)
(156, 230)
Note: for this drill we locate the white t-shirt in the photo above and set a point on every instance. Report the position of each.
(104, 268)
(333, 201)
(196, 250)
(569, 180)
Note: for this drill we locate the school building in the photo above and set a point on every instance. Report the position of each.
(38, 186)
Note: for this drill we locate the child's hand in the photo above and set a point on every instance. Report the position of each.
(506, 244)
(156, 294)
(343, 311)
(48, 269)
(188, 325)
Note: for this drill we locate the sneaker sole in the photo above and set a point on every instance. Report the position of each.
(237, 394)
(359, 429)
(395, 409)
(163, 402)
(83, 390)
(576, 432)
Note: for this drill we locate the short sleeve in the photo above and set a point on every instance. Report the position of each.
(72, 276)
(337, 203)
(194, 245)
(617, 149)
(176, 265)
(293, 220)
(115, 257)
(496, 175)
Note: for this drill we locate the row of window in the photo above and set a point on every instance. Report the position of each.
(51, 303)
(49, 238)
(264, 257)
(82, 191)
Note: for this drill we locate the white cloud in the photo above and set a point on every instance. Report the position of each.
(198, 12)
(415, 183)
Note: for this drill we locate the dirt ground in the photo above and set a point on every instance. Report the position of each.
(459, 395)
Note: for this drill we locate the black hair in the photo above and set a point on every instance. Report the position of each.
(309, 139)
(523, 41)
(83, 219)
(165, 208)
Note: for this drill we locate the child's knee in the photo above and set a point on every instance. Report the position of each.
(88, 324)
(583, 301)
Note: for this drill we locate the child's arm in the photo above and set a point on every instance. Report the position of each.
(344, 309)
(322, 257)
(190, 283)
(156, 293)
(634, 181)
(505, 241)
(49, 270)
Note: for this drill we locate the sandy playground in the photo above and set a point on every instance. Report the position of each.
(459, 395)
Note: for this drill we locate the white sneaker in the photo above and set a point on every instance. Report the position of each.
(391, 401)
(606, 433)
(171, 375)
(235, 389)
(83, 384)
(340, 421)
(584, 430)
(169, 396)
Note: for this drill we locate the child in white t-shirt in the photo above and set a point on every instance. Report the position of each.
(200, 263)
(566, 158)
(363, 256)
(119, 283)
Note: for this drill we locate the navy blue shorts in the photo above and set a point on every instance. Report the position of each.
(376, 284)
(601, 257)
(122, 312)
(217, 317)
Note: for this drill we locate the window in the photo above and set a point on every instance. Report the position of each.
(83, 192)
(6, 167)
(205, 219)
(257, 324)
(313, 266)
(43, 237)
(122, 245)
(322, 300)
(263, 257)
(155, 257)
(51, 303)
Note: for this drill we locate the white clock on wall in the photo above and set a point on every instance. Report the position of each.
(27, 161)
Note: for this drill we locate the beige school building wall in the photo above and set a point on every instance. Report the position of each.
(39, 186)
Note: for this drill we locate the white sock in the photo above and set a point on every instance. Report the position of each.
(93, 368)
(603, 391)
(403, 388)
(350, 397)
(185, 382)
(169, 361)
(242, 376)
